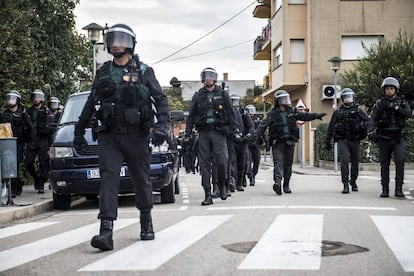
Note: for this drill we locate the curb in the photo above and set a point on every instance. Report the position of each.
(22, 212)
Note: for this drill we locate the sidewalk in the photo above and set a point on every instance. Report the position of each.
(30, 203)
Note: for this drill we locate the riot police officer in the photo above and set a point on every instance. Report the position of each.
(348, 126)
(389, 116)
(283, 134)
(38, 145)
(253, 157)
(54, 106)
(121, 100)
(212, 114)
(16, 115)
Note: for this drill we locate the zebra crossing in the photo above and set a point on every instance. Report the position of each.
(291, 242)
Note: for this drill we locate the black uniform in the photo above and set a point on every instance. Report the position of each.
(253, 160)
(348, 126)
(22, 128)
(213, 116)
(39, 145)
(283, 134)
(389, 118)
(124, 110)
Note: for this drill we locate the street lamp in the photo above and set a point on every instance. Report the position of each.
(335, 66)
(94, 32)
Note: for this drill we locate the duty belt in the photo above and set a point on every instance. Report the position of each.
(124, 129)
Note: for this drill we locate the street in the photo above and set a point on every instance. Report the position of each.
(316, 230)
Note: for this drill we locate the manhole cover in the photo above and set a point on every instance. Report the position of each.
(329, 248)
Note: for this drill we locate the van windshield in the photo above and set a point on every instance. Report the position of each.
(73, 109)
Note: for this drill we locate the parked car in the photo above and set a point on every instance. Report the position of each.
(76, 172)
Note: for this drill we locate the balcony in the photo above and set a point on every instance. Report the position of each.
(262, 45)
(263, 10)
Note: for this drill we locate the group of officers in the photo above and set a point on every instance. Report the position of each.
(33, 127)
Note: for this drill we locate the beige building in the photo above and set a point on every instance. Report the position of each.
(300, 36)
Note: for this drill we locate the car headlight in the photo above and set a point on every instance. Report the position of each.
(60, 152)
(163, 147)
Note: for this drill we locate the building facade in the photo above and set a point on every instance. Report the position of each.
(300, 36)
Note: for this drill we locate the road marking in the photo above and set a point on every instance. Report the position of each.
(291, 242)
(22, 228)
(398, 234)
(28, 252)
(150, 255)
(302, 207)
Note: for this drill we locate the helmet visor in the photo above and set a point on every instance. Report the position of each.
(236, 102)
(54, 105)
(11, 100)
(348, 98)
(37, 97)
(119, 39)
(208, 75)
(285, 100)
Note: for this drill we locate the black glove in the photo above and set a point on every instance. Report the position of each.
(328, 145)
(372, 136)
(319, 115)
(158, 135)
(237, 137)
(78, 141)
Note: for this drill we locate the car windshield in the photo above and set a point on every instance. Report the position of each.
(73, 108)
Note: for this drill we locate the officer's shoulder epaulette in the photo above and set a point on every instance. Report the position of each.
(143, 67)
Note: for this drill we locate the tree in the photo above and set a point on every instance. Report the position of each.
(40, 48)
(387, 58)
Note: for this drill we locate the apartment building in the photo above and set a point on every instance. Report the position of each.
(300, 36)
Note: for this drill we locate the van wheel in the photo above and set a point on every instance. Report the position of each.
(61, 201)
(167, 193)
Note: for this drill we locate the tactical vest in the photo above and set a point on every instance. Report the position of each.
(17, 121)
(127, 104)
(348, 125)
(277, 125)
(390, 121)
(214, 106)
(39, 118)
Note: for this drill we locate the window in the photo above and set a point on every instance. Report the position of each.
(351, 46)
(296, 2)
(278, 58)
(297, 50)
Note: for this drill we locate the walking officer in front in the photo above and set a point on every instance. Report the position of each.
(348, 126)
(121, 100)
(38, 145)
(389, 116)
(283, 134)
(212, 114)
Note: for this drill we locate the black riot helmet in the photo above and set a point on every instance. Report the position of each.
(53, 103)
(282, 98)
(235, 99)
(38, 95)
(347, 96)
(251, 109)
(208, 73)
(120, 35)
(390, 81)
(13, 98)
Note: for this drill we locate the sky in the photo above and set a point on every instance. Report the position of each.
(163, 27)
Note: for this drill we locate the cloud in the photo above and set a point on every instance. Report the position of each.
(166, 26)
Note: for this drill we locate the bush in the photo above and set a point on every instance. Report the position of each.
(369, 150)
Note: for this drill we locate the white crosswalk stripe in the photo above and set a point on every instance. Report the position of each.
(150, 255)
(291, 242)
(398, 233)
(32, 251)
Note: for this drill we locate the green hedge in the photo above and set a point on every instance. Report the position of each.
(369, 150)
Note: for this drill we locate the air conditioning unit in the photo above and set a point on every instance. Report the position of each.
(328, 91)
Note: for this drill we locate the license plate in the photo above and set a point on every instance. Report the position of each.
(94, 173)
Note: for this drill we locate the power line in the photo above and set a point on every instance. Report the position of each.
(197, 40)
(211, 51)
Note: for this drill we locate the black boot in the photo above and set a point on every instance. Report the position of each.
(215, 193)
(286, 189)
(252, 181)
(239, 188)
(354, 186)
(104, 241)
(346, 188)
(207, 200)
(223, 191)
(277, 188)
(398, 190)
(147, 231)
(385, 191)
